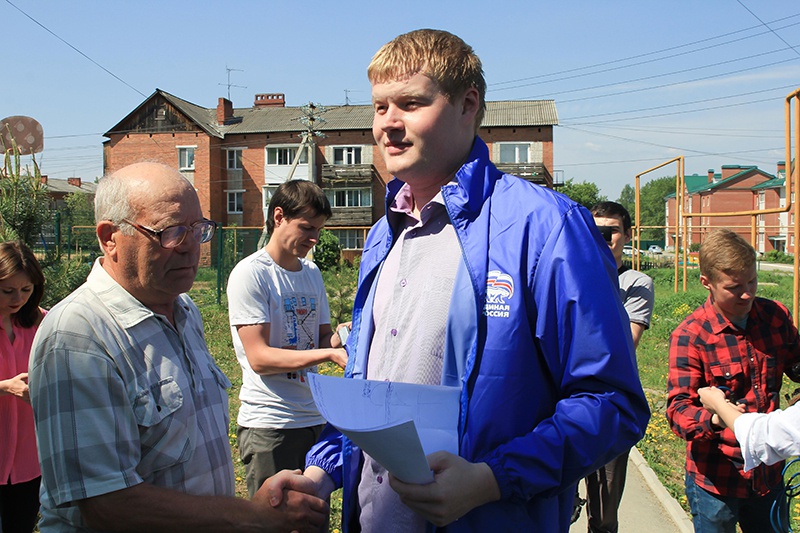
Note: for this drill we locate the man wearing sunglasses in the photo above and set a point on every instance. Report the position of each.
(604, 486)
(131, 411)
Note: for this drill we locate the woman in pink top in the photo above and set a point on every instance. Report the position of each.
(21, 289)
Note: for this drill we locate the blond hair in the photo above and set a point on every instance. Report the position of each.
(439, 55)
(724, 250)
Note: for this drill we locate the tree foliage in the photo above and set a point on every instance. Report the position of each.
(651, 198)
(79, 210)
(327, 251)
(585, 193)
(24, 202)
(627, 199)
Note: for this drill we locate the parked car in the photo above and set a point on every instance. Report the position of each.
(655, 249)
(627, 250)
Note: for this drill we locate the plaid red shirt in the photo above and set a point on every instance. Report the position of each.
(707, 349)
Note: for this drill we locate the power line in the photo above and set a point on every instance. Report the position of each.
(676, 47)
(768, 27)
(667, 106)
(74, 48)
(669, 147)
(673, 73)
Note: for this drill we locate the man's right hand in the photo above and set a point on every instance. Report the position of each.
(339, 356)
(289, 501)
(314, 477)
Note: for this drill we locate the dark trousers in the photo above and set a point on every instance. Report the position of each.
(19, 506)
(265, 452)
(604, 493)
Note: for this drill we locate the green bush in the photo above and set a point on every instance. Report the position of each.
(776, 256)
(61, 278)
(327, 251)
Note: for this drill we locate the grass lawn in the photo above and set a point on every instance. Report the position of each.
(218, 338)
(663, 450)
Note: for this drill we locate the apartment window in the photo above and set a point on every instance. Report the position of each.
(235, 159)
(349, 197)
(349, 239)
(266, 195)
(514, 152)
(235, 202)
(186, 157)
(347, 155)
(285, 156)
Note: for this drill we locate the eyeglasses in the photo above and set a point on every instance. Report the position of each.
(173, 236)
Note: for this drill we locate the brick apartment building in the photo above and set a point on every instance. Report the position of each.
(236, 157)
(736, 188)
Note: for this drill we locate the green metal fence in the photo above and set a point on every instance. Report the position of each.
(230, 245)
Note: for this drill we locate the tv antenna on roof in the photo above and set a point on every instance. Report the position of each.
(229, 84)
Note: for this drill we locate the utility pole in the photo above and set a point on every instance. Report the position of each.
(312, 120)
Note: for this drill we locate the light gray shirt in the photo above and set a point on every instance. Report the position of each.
(410, 311)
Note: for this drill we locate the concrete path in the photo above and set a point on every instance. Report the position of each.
(646, 504)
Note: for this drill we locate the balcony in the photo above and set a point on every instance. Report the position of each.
(337, 176)
(533, 172)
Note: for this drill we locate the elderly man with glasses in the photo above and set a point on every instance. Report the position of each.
(131, 411)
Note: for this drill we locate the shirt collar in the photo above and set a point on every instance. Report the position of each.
(718, 321)
(127, 310)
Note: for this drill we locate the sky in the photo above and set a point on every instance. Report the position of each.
(635, 83)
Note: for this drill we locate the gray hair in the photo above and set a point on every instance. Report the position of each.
(112, 202)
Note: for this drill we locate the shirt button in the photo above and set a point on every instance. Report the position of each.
(403, 282)
(394, 332)
(412, 233)
(379, 479)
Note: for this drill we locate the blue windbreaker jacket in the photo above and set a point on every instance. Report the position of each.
(538, 340)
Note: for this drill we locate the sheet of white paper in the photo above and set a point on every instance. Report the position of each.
(397, 448)
(375, 416)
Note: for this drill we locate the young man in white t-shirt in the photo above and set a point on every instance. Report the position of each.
(280, 324)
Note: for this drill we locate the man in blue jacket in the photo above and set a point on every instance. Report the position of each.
(488, 282)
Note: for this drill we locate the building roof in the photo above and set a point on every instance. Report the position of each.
(268, 119)
(54, 185)
(770, 184)
(698, 183)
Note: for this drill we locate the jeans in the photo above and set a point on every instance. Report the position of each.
(712, 513)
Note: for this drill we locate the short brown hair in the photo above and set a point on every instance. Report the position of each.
(16, 257)
(440, 55)
(296, 196)
(724, 250)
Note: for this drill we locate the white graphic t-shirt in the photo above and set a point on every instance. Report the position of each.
(294, 304)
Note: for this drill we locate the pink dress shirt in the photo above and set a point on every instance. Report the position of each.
(19, 461)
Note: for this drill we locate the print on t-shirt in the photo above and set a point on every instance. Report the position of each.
(298, 311)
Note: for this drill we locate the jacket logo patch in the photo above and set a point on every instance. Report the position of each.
(499, 288)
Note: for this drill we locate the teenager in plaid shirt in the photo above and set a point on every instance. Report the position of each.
(742, 344)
